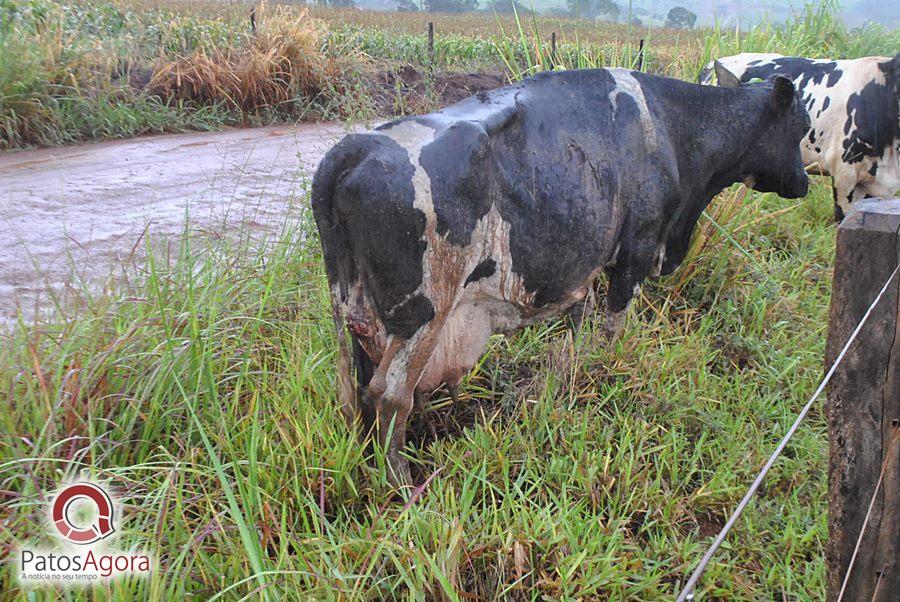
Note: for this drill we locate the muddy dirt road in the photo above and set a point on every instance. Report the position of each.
(75, 215)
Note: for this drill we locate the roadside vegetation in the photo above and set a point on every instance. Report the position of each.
(94, 69)
(203, 393)
(88, 70)
(201, 389)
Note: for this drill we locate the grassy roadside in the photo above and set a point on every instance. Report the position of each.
(204, 395)
(111, 68)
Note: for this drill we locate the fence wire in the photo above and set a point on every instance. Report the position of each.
(687, 593)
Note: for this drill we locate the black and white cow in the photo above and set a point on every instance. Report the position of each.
(854, 109)
(499, 211)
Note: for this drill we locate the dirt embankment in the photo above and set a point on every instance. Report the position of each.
(408, 90)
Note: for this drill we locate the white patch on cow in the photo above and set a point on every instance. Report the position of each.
(886, 181)
(398, 368)
(615, 255)
(461, 342)
(413, 137)
(739, 63)
(627, 84)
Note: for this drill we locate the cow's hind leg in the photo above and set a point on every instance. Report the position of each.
(354, 371)
(846, 189)
(846, 196)
(393, 387)
(365, 407)
(625, 278)
(348, 392)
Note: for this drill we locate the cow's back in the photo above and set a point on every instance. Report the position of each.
(565, 169)
(559, 166)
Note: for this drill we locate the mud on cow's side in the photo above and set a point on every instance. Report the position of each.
(854, 109)
(499, 211)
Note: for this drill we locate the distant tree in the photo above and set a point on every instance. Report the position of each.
(680, 18)
(506, 7)
(594, 9)
(407, 6)
(338, 3)
(450, 6)
(635, 22)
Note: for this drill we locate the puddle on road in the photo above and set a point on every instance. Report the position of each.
(78, 214)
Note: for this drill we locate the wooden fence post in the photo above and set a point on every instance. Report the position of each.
(864, 407)
(553, 49)
(431, 45)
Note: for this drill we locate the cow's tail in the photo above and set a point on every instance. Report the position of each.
(342, 275)
(706, 74)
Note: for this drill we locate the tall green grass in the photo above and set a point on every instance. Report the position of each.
(80, 71)
(204, 393)
(816, 31)
(65, 76)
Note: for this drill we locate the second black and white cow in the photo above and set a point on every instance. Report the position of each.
(499, 211)
(854, 109)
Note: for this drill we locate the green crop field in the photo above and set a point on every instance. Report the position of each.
(202, 389)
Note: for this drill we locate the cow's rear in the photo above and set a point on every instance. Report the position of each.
(335, 186)
(395, 278)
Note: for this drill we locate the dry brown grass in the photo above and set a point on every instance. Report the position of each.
(282, 63)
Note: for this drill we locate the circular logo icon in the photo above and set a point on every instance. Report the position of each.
(103, 524)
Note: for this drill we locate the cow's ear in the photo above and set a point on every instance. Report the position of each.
(724, 77)
(782, 92)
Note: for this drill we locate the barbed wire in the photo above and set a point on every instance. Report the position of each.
(687, 593)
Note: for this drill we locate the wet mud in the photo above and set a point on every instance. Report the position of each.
(76, 215)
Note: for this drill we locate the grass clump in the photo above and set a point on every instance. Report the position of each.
(62, 80)
(281, 63)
